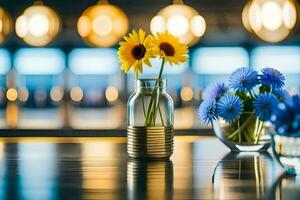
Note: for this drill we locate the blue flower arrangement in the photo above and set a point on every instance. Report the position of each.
(286, 117)
(246, 103)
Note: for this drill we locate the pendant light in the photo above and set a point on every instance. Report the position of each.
(38, 25)
(180, 20)
(102, 25)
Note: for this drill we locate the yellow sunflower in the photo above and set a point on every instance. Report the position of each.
(170, 48)
(135, 51)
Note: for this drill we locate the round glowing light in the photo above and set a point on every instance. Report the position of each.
(102, 25)
(57, 94)
(198, 25)
(186, 94)
(255, 16)
(180, 20)
(76, 94)
(38, 25)
(270, 20)
(85, 26)
(111, 94)
(23, 95)
(12, 94)
(271, 15)
(289, 14)
(5, 25)
(157, 24)
(22, 29)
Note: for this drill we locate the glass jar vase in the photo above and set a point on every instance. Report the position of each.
(150, 120)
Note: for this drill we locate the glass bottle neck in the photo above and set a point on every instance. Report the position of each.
(148, 85)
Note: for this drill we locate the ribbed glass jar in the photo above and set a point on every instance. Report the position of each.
(150, 120)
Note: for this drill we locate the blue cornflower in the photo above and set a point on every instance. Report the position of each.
(230, 107)
(272, 78)
(264, 106)
(207, 111)
(286, 117)
(282, 95)
(215, 90)
(243, 79)
(282, 117)
(296, 103)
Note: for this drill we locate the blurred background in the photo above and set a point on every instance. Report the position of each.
(59, 67)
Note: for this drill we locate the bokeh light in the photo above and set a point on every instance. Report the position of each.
(180, 20)
(23, 94)
(57, 94)
(5, 25)
(270, 20)
(12, 94)
(111, 94)
(38, 25)
(102, 25)
(76, 94)
(186, 94)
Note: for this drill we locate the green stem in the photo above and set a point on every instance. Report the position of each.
(251, 95)
(161, 117)
(150, 117)
(244, 125)
(260, 126)
(144, 110)
(240, 139)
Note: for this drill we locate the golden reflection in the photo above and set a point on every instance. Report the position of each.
(115, 140)
(98, 174)
(246, 175)
(12, 113)
(149, 179)
(183, 153)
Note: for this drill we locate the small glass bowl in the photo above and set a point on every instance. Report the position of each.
(222, 129)
(287, 152)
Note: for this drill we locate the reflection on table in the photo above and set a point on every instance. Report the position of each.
(98, 168)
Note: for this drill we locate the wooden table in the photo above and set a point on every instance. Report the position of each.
(98, 168)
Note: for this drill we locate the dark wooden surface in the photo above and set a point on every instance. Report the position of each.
(98, 168)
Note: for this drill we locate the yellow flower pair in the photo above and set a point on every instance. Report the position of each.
(138, 49)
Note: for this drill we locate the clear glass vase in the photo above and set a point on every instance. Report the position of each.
(246, 134)
(150, 120)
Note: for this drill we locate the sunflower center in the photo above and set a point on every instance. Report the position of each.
(138, 51)
(167, 48)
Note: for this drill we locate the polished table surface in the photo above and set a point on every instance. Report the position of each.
(98, 168)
